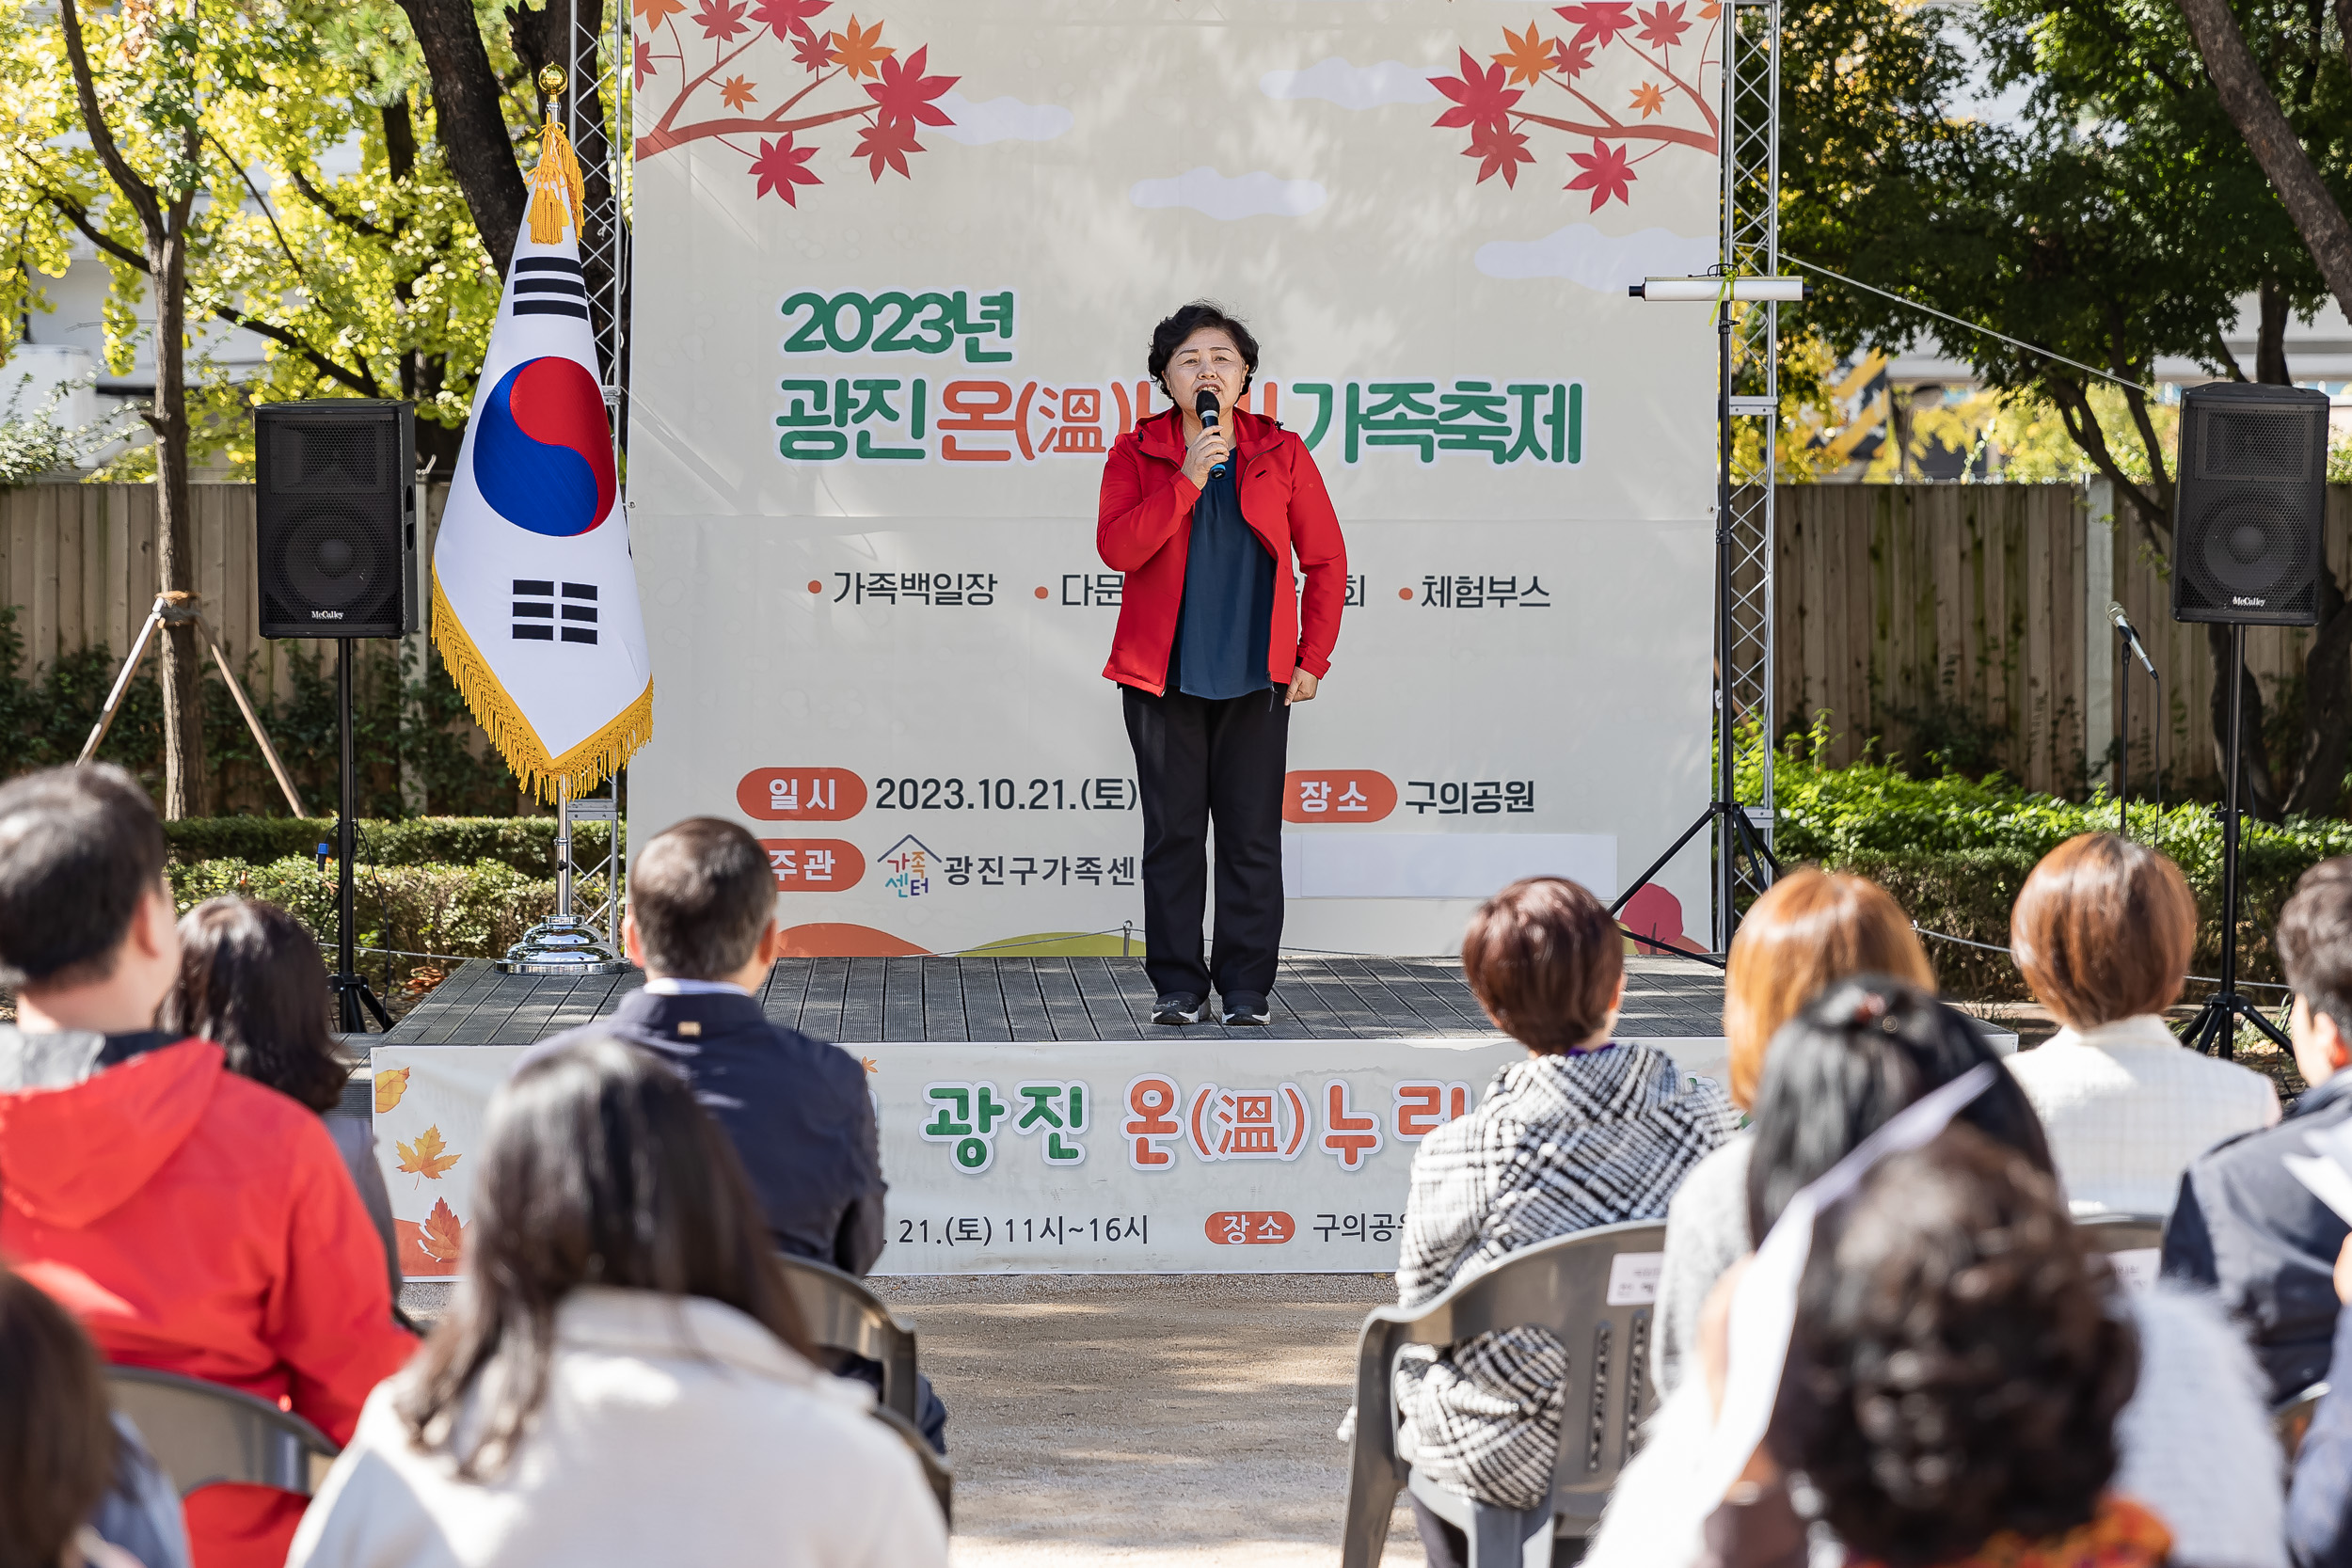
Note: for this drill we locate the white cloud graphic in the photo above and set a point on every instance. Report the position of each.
(999, 119)
(1582, 254)
(1242, 196)
(1351, 87)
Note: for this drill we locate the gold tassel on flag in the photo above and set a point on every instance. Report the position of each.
(555, 185)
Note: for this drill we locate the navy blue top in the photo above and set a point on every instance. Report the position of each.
(1226, 624)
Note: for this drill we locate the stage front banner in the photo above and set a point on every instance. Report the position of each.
(1152, 1157)
(896, 275)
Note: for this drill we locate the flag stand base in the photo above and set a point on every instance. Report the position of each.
(563, 943)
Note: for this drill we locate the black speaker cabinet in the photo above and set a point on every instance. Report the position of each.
(336, 515)
(2251, 509)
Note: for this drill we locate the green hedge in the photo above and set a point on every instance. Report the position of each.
(526, 844)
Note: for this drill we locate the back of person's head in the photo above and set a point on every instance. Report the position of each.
(1546, 961)
(700, 894)
(253, 982)
(57, 1447)
(2103, 931)
(2315, 940)
(1959, 1359)
(597, 1167)
(80, 848)
(1846, 1064)
(1811, 928)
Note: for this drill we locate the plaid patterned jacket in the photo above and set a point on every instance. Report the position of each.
(1559, 1143)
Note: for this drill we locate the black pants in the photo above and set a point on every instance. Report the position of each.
(1448, 1547)
(1199, 761)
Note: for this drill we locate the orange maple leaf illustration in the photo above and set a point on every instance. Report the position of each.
(653, 13)
(861, 53)
(390, 1085)
(1709, 11)
(1529, 57)
(1649, 100)
(424, 1157)
(443, 1238)
(736, 92)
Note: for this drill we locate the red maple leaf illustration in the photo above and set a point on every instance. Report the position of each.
(1479, 96)
(643, 64)
(780, 166)
(905, 93)
(719, 20)
(787, 17)
(1608, 173)
(1500, 151)
(1572, 59)
(736, 94)
(1600, 21)
(1662, 25)
(814, 51)
(888, 141)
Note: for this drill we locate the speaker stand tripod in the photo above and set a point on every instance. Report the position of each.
(352, 992)
(2215, 1027)
(176, 609)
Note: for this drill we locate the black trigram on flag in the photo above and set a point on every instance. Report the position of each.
(549, 286)
(538, 617)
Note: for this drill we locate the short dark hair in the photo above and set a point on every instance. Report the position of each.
(1544, 959)
(701, 892)
(1959, 1359)
(2315, 940)
(597, 1167)
(2103, 930)
(58, 1445)
(1840, 1070)
(79, 848)
(251, 982)
(1170, 334)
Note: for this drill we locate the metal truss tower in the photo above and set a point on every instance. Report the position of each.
(1750, 247)
(596, 114)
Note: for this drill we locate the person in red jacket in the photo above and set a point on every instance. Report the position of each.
(1216, 643)
(194, 1221)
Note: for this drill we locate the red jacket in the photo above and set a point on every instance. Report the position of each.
(1146, 531)
(199, 1223)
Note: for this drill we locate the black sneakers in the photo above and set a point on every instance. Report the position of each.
(1176, 1007)
(1244, 1010)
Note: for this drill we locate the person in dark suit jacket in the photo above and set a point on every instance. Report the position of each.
(701, 925)
(2243, 1225)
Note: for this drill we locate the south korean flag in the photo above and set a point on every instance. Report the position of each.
(534, 597)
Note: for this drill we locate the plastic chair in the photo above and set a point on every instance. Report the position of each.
(203, 1435)
(2134, 1245)
(936, 1471)
(2292, 1420)
(842, 1314)
(1561, 1285)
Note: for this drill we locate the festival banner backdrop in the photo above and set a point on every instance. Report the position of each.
(1168, 1156)
(534, 597)
(896, 275)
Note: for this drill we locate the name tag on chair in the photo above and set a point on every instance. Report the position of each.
(1633, 1279)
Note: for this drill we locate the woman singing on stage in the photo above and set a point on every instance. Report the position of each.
(1203, 508)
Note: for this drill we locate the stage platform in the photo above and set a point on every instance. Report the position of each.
(907, 1000)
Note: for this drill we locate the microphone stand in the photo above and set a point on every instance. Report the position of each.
(2126, 645)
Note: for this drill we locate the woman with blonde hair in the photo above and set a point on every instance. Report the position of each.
(1811, 929)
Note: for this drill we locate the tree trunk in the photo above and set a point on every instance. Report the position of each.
(2251, 106)
(2270, 343)
(469, 122)
(181, 656)
(2257, 793)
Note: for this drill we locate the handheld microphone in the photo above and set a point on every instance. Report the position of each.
(1206, 408)
(2123, 624)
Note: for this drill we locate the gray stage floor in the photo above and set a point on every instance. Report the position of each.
(860, 1000)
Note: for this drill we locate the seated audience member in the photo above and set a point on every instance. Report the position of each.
(623, 1377)
(702, 924)
(2102, 930)
(1586, 1132)
(1810, 928)
(252, 983)
(2242, 1223)
(1958, 1362)
(2195, 1440)
(2319, 1503)
(194, 1221)
(76, 1486)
